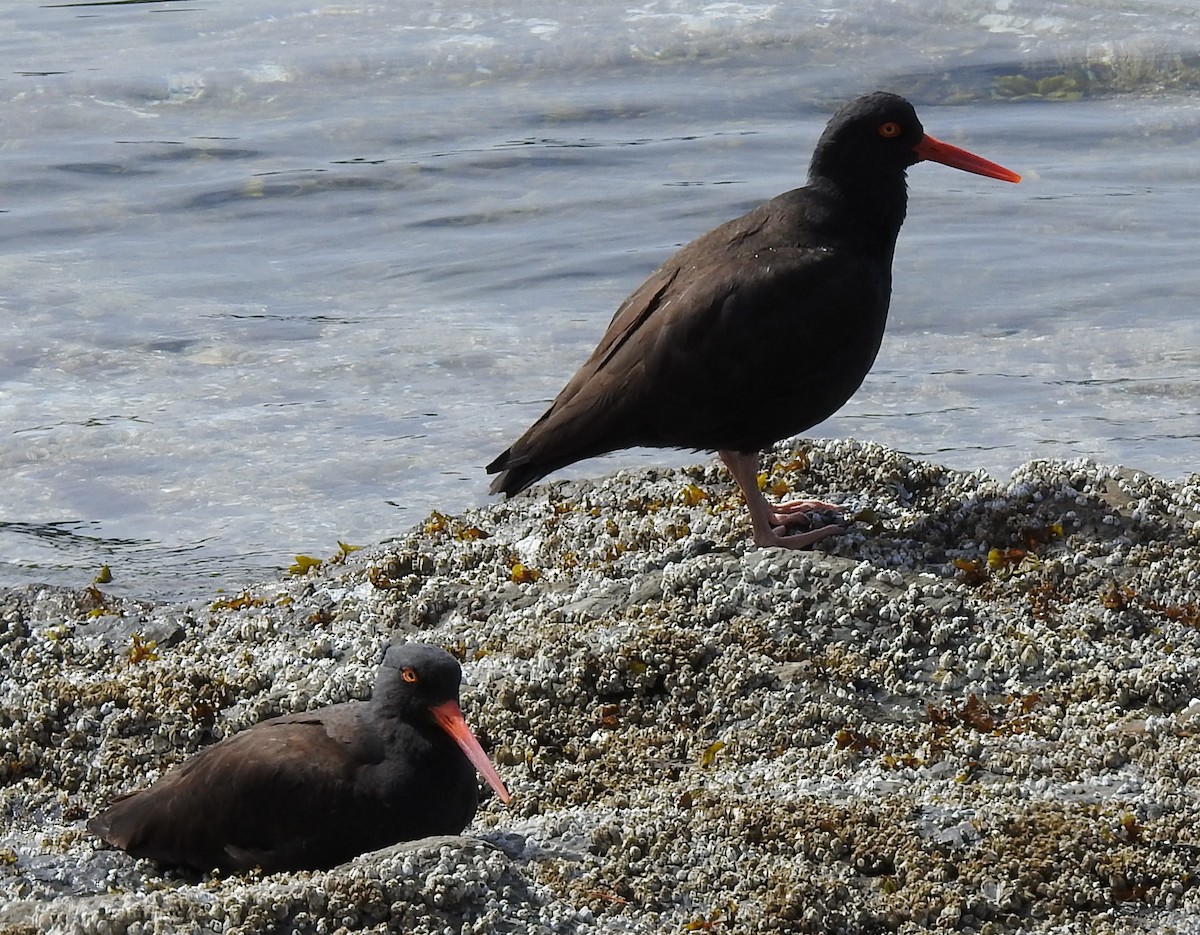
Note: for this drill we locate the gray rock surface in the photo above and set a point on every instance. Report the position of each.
(977, 710)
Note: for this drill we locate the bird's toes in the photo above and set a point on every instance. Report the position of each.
(792, 507)
(779, 537)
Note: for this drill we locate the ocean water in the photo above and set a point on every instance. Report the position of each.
(279, 274)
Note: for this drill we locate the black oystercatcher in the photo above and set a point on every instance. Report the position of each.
(306, 791)
(758, 330)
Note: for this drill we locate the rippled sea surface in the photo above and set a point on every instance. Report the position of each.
(279, 274)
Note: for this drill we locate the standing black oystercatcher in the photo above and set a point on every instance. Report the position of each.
(758, 330)
(307, 791)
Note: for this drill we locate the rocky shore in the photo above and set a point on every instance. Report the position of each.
(978, 710)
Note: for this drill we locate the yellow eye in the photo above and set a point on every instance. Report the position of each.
(409, 674)
(890, 130)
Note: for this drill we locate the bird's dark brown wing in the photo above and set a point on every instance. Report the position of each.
(249, 800)
(727, 348)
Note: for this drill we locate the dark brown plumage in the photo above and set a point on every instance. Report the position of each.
(757, 330)
(306, 791)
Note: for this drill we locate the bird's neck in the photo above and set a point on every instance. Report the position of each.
(870, 206)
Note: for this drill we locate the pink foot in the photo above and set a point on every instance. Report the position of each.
(784, 513)
(799, 540)
(806, 506)
(769, 521)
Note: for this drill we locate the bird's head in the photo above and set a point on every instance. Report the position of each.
(420, 684)
(879, 135)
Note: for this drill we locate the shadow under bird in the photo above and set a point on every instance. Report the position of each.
(759, 329)
(309, 791)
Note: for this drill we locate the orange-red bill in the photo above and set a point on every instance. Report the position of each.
(948, 155)
(450, 718)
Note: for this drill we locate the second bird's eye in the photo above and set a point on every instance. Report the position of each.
(889, 130)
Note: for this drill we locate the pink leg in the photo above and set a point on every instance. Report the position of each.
(770, 524)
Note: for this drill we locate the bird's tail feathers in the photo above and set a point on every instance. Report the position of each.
(514, 474)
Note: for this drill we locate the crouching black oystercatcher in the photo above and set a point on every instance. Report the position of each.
(759, 329)
(307, 791)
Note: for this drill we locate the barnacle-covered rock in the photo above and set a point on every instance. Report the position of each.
(976, 710)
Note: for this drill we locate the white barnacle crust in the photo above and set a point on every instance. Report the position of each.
(978, 710)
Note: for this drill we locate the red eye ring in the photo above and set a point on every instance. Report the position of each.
(409, 674)
(890, 130)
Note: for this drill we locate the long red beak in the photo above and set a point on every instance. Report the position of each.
(450, 718)
(947, 155)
